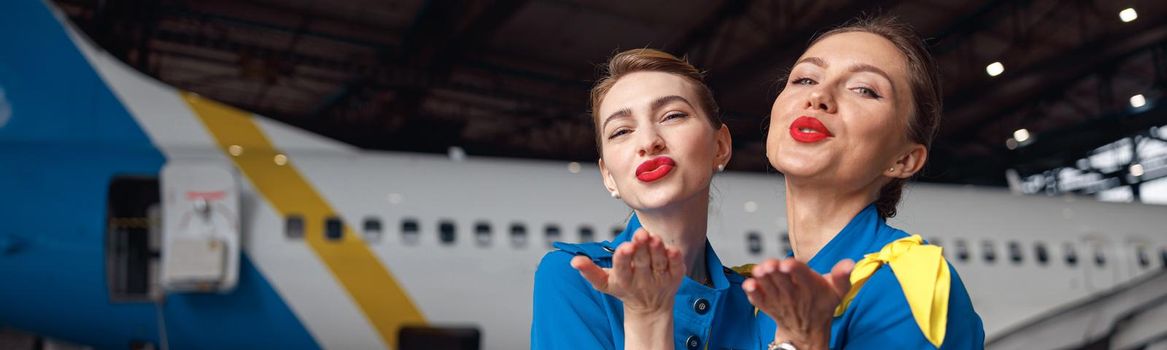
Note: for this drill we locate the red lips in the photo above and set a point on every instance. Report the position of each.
(807, 129)
(654, 169)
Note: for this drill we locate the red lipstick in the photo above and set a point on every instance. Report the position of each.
(654, 169)
(807, 129)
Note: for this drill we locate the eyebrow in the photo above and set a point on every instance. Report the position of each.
(656, 104)
(858, 67)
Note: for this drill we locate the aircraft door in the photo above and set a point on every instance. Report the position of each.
(1098, 264)
(201, 227)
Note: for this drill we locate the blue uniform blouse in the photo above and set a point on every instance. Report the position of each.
(570, 314)
(879, 317)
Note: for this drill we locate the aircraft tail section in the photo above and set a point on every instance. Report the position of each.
(49, 92)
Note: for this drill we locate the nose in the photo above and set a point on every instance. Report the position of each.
(822, 99)
(651, 143)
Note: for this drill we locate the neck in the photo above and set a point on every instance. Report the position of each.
(816, 213)
(682, 226)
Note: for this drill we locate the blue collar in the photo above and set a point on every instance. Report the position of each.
(712, 262)
(866, 233)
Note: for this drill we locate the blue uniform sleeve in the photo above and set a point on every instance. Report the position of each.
(568, 312)
(965, 329)
(880, 318)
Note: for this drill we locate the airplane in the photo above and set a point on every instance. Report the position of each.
(141, 216)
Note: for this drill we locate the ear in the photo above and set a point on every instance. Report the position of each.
(609, 182)
(910, 162)
(724, 146)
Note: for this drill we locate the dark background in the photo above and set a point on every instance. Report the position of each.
(510, 78)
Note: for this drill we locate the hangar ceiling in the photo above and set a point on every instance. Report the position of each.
(510, 77)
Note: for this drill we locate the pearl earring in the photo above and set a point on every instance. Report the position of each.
(720, 168)
(614, 194)
(891, 169)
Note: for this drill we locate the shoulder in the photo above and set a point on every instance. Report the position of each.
(965, 329)
(557, 283)
(884, 302)
(556, 264)
(555, 268)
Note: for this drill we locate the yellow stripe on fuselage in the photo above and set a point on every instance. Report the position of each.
(370, 284)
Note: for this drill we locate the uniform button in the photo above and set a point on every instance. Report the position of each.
(693, 342)
(701, 306)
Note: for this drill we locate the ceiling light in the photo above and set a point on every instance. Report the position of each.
(456, 153)
(1138, 101)
(1128, 15)
(995, 69)
(1011, 143)
(1137, 170)
(1021, 135)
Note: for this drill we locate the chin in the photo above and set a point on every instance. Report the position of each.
(652, 201)
(797, 165)
(658, 198)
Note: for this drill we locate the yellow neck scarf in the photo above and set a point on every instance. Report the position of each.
(923, 275)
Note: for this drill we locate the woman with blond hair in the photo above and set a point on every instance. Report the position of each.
(660, 140)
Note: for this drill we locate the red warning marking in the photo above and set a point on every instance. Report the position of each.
(209, 196)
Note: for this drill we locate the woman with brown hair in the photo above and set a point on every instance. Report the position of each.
(853, 123)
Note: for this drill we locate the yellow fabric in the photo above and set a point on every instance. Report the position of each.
(746, 270)
(923, 275)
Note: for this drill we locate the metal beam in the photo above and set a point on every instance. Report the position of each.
(1063, 147)
(431, 45)
(1044, 79)
(789, 46)
(708, 27)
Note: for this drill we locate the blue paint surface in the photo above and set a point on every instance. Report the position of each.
(63, 138)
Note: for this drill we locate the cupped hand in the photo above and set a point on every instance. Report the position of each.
(645, 274)
(800, 301)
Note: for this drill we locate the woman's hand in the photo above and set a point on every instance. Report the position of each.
(645, 276)
(799, 300)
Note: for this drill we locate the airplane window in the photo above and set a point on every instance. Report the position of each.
(372, 230)
(1099, 257)
(410, 231)
(447, 232)
(1071, 255)
(294, 226)
(482, 233)
(616, 231)
(1163, 256)
(1015, 252)
(1040, 252)
(1141, 255)
(990, 254)
(518, 235)
(551, 233)
(587, 234)
(754, 243)
(333, 228)
(961, 250)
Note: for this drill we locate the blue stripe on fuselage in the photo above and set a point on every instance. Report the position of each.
(66, 137)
